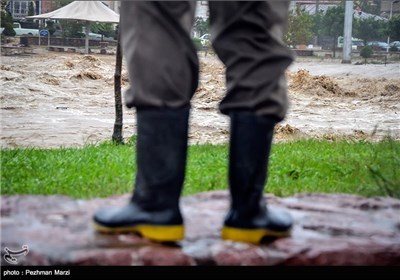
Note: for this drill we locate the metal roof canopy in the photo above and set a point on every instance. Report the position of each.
(88, 11)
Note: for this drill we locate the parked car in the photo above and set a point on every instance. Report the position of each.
(95, 36)
(19, 31)
(205, 39)
(378, 45)
(395, 44)
(355, 43)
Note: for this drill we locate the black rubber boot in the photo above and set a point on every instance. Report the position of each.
(249, 220)
(154, 211)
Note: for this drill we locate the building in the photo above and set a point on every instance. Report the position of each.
(202, 9)
(20, 9)
(300, 3)
(48, 6)
(311, 6)
(385, 5)
(388, 6)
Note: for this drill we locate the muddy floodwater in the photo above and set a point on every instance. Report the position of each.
(53, 99)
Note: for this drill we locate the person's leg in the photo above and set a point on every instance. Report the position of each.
(246, 37)
(163, 73)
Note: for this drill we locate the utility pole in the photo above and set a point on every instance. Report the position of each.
(390, 17)
(348, 26)
(318, 22)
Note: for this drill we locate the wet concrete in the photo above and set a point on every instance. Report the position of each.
(330, 229)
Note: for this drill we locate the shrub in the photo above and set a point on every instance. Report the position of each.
(366, 52)
(8, 30)
(197, 43)
(7, 23)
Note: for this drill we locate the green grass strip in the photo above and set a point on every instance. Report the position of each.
(364, 168)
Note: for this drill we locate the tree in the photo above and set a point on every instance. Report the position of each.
(317, 19)
(3, 5)
(31, 9)
(7, 23)
(68, 29)
(103, 28)
(366, 52)
(368, 29)
(117, 132)
(394, 28)
(50, 26)
(300, 27)
(333, 24)
(72, 29)
(200, 26)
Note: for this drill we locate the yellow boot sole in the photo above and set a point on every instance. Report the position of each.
(254, 236)
(154, 232)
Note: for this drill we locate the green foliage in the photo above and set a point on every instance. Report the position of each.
(5, 39)
(317, 20)
(92, 171)
(394, 28)
(197, 43)
(364, 168)
(368, 29)
(31, 9)
(103, 28)
(72, 29)
(300, 27)
(50, 26)
(7, 23)
(206, 169)
(332, 23)
(366, 52)
(387, 178)
(201, 26)
(3, 4)
(8, 30)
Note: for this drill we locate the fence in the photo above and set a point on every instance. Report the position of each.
(59, 41)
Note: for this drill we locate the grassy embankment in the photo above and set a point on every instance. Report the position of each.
(364, 168)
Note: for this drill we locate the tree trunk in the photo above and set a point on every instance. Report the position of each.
(117, 134)
(334, 46)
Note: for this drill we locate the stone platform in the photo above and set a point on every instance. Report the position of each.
(330, 229)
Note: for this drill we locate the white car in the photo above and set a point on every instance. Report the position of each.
(380, 45)
(395, 44)
(205, 39)
(19, 31)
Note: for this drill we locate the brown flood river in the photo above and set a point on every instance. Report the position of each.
(59, 99)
